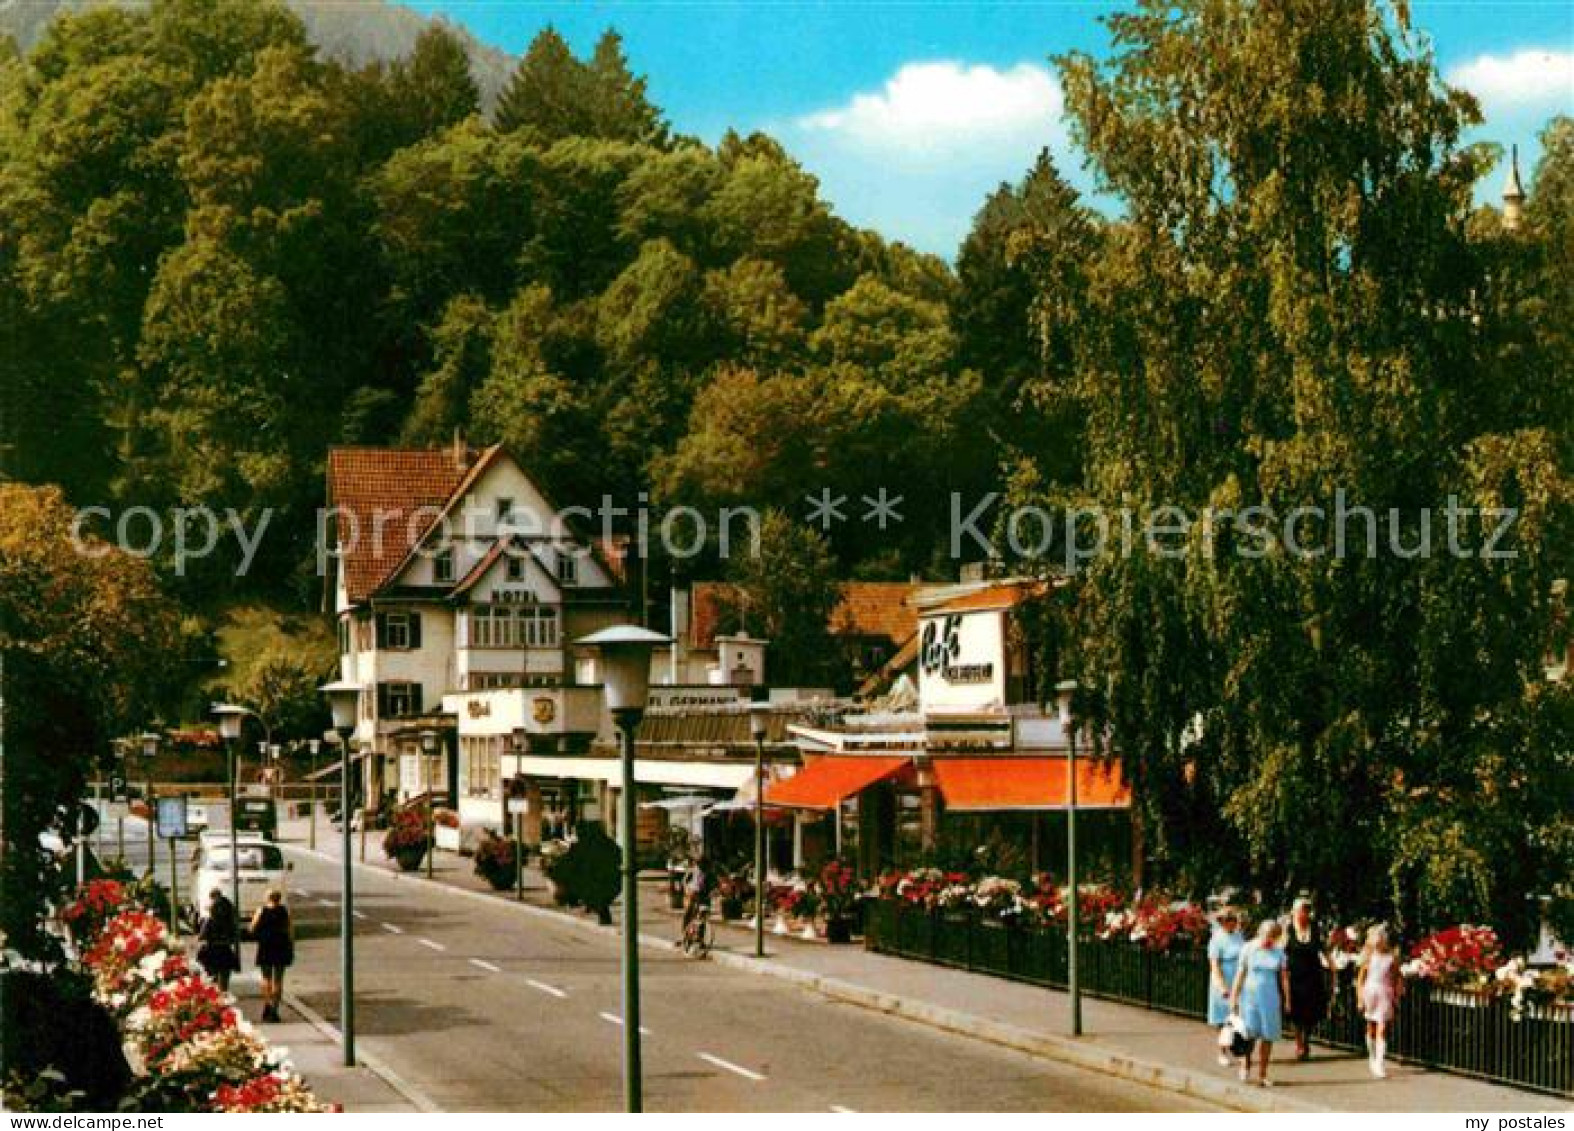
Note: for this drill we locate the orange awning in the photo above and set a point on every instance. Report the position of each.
(990, 785)
(826, 781)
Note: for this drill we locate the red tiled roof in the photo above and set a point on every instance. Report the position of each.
(393, 483)
(877, 608)
(868, 608)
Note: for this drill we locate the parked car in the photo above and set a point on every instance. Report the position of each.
(262, 868)
(258, 815)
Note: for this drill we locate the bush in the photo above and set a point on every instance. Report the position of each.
(59, 1041)
(587, 871)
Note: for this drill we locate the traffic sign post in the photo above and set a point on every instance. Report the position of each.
(171, 826)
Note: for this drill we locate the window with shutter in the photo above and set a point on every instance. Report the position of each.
(415, 630)
(382, 630)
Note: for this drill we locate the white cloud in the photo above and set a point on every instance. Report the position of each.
(934, 109)
(1529, 78)
(916, 157)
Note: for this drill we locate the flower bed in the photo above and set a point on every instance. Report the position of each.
(192, 1050)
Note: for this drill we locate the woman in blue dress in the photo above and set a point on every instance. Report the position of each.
(1224, 953)
(1261, 987)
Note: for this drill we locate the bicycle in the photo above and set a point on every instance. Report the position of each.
(699, 936)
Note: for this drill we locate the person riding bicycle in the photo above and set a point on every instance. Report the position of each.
(698, 885)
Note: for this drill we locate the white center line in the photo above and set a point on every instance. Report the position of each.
(359, 914)
(327, 903)
(302, 892)
(614, 1019)
(432, 945)
(544, 988)
(485, 965)
(746, 1073)
(393, 930)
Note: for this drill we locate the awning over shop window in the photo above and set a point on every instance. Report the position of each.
(825, 782)
(992, 785)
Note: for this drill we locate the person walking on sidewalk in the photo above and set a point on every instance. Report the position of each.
(1377, 988)
(218, 942)
(1261, 987)
(1224, 955)
(275, 934)
(1306, 960)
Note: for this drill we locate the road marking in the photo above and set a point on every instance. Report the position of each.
(487, 966)
(358, 914)
(302, 892)
(614, 1019)
(843, 1110)
(746, 1073)
(544, 988)
(327, 903)
(393, 930)
(431, 944)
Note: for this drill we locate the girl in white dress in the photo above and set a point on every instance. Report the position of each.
(1377, 989)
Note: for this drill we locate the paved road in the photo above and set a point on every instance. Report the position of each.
(483, 1007)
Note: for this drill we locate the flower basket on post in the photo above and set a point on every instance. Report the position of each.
(839, 894)
(406, 842)
(496, 860)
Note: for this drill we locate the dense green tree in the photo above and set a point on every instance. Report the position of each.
(433, 84)
(462, 351)
(1293, 313)
(557, 96)
(786, 589)
(760, 320)
(899, 340)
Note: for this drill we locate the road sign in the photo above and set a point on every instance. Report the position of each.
(518, 806)
(117, 786)
(170, 818)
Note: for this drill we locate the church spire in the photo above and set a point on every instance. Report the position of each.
(1513, 195)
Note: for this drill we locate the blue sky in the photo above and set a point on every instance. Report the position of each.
(910, 111)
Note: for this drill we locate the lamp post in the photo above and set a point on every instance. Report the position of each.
(625, 667)
(428, 749)
(314, 745)
(343, 699)
(1067, 690)
(231, 719)
(757, 722)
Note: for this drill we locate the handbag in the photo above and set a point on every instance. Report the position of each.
(1232, 1036)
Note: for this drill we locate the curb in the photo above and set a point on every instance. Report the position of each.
(363, 1059)
(1065, 1050)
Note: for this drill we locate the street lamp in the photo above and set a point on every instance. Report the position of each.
(231, 718)
(757, 722)
(428, 751)
(343, 701)
(314, 745)
(625, 672)
(1067, 691)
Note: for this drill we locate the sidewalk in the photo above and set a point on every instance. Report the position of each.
(1136, 1044)
(312, 1046)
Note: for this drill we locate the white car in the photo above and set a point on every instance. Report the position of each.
(262, 869)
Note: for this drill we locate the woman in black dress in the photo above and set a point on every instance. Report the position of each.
(275, 936)
(218, 951)
(1307, 965)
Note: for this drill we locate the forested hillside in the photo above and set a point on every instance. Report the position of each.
(224, 253)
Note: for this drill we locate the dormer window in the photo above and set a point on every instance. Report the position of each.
(516, 567)
(443, 564)
(505, 511)
(568, 565)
